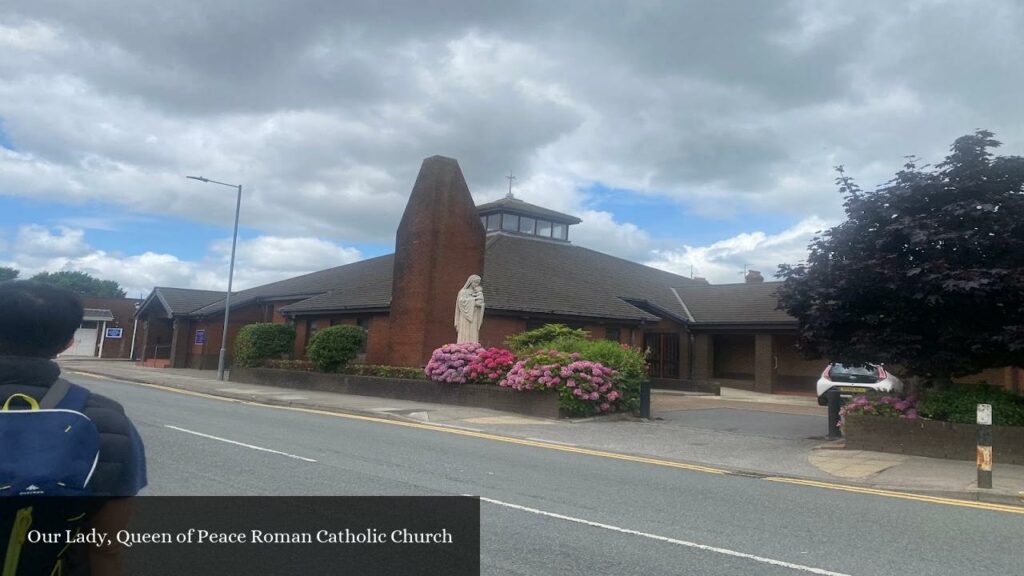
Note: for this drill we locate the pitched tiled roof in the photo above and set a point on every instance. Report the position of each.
(734, 303)
(517, 206)
(180, 301)
(308, 285)
(529, 275)
(524, 274)
(357, 288)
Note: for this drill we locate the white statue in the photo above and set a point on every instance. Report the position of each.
(469, 310)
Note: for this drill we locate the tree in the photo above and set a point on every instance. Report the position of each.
(82, 283)
(7, 273)
(927, 271)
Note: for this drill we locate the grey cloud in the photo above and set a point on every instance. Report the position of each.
(324, 109)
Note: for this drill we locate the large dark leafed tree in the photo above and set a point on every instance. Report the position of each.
(927, 271)
(8, 273)
(82, 283)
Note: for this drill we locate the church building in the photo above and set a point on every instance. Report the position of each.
(532, 274)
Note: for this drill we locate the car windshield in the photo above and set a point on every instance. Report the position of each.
(854, 370)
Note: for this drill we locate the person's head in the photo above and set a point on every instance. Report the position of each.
(37, 319)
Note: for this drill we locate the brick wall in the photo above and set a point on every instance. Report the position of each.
(438, 245)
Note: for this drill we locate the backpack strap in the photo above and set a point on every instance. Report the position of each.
(64, 394)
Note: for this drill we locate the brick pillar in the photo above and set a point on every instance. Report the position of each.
(301, 325)
(764, 363)
(179, 343)
(439, 244)
(703, 357)
(685, 359)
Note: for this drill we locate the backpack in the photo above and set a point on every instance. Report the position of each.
(50, 449)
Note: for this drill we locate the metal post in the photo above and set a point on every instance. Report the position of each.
(135, 328)
(985, 446)
(103, 339)
(227, 298)
(645, 399)
(834, 403)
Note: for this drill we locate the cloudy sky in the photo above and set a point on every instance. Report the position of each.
(687, 135)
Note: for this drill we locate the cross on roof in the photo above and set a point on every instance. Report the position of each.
(510, 179)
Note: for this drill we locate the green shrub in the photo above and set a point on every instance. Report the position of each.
(333, 348)
(629, 363)
(385, 371)
(541, 337)
(960, 404)
(256, 343)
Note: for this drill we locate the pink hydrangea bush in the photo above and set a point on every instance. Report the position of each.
(888, 406)
(584, 387)
(490, 366)
(450, 363)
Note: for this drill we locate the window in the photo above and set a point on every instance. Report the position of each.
(558, 231)
(364, 323)
(612, 333)
(526, 225)
(483, 220)
(493, 222)
(544, 228)
(510, 222)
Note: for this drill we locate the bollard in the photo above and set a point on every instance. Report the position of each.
(834, 402)
(984, 446)
(645, 399)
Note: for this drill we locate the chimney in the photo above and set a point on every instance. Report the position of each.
(701, 279)
(440, 243)
(753, 277)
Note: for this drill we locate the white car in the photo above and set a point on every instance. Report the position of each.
(852, 380)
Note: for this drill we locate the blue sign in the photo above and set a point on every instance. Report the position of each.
(114, 332)
(200, 336)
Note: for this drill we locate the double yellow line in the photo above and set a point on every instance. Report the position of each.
(590, 452)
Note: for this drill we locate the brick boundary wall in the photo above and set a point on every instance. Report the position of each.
(543, 404)
(931, 438)
(682, 385)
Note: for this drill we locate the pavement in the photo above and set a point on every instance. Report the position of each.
(744, 432)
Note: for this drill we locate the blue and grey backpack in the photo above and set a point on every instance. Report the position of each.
(49, 449)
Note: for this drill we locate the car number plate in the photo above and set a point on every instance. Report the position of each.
(854, 389)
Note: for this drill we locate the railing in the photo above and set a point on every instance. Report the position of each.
(158, 352)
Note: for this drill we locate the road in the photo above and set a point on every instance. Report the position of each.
(553, 510)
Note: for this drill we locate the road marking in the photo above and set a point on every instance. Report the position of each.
(236, 443)
(552, 442)
(901, 495)
(705, 547)
(599, 453)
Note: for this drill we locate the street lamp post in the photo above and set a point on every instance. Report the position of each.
(231, 274)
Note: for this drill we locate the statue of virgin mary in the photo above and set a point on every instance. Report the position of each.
(469, 310)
